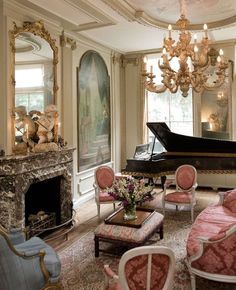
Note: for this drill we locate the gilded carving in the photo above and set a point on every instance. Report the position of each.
(64, 41)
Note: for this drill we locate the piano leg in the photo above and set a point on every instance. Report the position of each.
(151, 181)
(163, 180)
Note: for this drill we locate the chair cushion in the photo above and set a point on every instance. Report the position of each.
(178, 197)
(51, 258)
(104, 196)
(230, 200)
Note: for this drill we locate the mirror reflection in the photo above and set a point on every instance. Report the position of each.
(34, 81)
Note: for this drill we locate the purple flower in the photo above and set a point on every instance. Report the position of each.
(125, 202)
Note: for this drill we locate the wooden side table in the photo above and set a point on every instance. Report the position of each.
(128, 233)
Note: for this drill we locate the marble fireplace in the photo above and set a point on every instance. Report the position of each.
(35, 182)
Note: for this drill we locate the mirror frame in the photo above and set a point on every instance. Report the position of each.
(37, 28)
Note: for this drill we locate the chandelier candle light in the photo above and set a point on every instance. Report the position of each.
(193, 58)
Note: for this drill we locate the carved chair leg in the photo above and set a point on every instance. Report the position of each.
(98, 208)
(96, 246)
(193, 281)
(163, 207)
(192, 214)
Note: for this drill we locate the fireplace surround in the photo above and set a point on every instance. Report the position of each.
(23, 173)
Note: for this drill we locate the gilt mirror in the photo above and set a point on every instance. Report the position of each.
(34, 75)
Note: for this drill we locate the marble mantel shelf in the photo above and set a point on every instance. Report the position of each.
(18, 164)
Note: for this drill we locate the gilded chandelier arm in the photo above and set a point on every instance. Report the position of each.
(193, 59)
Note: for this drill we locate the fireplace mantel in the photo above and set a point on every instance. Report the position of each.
(18, 172)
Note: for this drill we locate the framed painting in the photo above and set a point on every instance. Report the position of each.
(93, 107)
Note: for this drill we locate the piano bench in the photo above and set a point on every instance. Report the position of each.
(128, 236)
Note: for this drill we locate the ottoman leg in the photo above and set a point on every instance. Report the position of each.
(96, 244)
(161, 231)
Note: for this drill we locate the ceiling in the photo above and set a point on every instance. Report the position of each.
(134, 25)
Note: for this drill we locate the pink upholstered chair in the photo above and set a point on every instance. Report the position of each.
(143, 268)
(184, 194)
(104, 177)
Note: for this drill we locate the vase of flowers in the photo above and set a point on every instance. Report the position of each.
(130, 212)
(130, 192)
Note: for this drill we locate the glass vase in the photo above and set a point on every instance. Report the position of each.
(130, 212)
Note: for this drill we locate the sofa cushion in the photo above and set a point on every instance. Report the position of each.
(230, 200)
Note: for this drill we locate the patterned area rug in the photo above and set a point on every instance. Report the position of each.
(81, 270)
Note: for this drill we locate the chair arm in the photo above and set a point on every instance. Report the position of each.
(108, 271)
(222, 196)
(215, 242)
(168, 182)
(95, 185)
(17, 236)
(111, 279)
(195, 186)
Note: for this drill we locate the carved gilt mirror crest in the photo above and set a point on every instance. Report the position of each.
(33, 76)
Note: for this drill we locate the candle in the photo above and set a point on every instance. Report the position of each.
(145, 63)
(221, 53)
(205, 29)
(56, 127)
(195, 38)
(169, 28)
(151, 69)
(27, 130)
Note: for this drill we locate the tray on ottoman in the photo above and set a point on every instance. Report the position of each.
(117, 218)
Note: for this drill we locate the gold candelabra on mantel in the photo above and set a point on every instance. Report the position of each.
(193, 58)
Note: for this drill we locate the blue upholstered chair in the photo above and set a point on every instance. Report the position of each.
(27, 265)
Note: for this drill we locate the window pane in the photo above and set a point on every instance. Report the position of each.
(173, 109)
(29, 77)
(32, 101)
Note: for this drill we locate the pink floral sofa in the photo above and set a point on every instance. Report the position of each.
(211, 244)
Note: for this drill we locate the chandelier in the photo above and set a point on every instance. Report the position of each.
(193, 59)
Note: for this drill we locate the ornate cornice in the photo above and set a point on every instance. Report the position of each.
(67, 41)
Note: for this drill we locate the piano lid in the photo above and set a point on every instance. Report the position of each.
(174, 142)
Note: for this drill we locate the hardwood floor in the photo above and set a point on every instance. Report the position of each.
(86, 218)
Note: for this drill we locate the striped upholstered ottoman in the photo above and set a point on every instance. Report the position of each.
(128, 236)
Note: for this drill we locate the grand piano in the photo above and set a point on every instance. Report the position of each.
(206, 155)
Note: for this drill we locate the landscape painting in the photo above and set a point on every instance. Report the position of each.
(94, 129)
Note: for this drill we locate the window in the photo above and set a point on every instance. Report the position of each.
(30, 87)
(173, 109)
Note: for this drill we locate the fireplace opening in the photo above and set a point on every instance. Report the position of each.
(43, 205)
